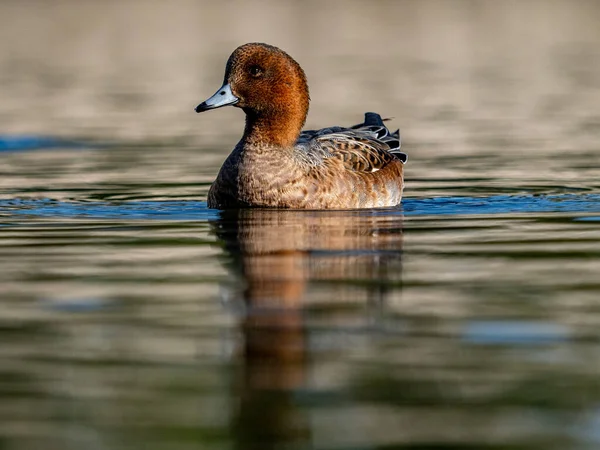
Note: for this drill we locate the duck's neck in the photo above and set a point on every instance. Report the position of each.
(275, 129)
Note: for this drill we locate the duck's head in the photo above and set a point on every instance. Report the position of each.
(267, 84)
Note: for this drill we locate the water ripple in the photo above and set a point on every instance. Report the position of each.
(198, 210)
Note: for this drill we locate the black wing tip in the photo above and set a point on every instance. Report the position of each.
(373, 119)
(401, 156)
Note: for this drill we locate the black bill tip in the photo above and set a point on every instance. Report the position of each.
(201, 107)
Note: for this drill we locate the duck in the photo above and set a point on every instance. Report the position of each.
(278, 165)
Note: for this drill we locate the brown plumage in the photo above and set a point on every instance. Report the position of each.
(275, 165)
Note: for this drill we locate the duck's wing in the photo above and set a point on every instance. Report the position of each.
(365, 147)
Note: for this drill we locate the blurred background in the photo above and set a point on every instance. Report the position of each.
(133, 316)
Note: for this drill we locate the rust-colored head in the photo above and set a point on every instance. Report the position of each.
(270, 87)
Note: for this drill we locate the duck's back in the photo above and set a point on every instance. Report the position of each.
(360, 166)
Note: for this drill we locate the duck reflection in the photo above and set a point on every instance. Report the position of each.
(289, 263)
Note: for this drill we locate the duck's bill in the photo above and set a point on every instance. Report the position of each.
(222, 97)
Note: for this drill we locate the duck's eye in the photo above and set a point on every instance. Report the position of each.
(255, 71)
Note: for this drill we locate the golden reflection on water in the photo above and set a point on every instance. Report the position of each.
(278, 255)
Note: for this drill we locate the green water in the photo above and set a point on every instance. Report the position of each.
(134, 317)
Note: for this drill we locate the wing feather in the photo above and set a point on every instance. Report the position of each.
(366, 147)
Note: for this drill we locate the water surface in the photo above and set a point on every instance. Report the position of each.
(135, 317)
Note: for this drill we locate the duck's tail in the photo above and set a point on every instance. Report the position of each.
(375, 125)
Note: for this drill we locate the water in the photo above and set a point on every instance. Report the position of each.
(134, 317)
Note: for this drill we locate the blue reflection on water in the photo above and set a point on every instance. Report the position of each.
(159, 210)
(502, 332)
(589, 427)
(503, 204)
(197, 210)
(18, 143)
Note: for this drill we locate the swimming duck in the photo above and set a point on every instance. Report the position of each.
(276, 165)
